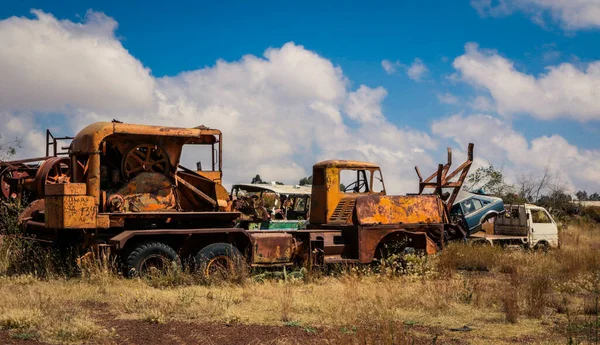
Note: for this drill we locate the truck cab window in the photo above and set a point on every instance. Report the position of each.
(377, 185)
(540, 216)
(354, 181)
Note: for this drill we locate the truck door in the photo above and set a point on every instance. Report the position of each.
(542, 227)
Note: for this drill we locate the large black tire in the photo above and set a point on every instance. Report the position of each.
(219, 260)
(148, 256)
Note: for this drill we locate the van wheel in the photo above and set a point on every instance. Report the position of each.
(218, 260)
(542, 246)
(481, 243)
(149, 258)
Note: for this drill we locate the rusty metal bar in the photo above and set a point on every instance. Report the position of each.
(443, 179)
(212, 151)
(120, 239)
(459, 169)
(48, 142)
(220, 153)
(440, 172)
(196, 191)
(419, 174)
(29, 160)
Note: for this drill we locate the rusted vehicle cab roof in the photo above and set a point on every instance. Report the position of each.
(345, 164)
(278, 189)
(89, 138)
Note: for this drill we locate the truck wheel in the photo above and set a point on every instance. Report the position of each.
(148, 257)
(218, 260)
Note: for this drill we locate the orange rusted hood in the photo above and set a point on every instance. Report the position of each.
(409, 209)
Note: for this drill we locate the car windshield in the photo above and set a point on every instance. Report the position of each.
(300, 205)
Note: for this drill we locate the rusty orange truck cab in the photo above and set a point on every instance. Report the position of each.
(336, 186)
(353, 220)
(357, 219)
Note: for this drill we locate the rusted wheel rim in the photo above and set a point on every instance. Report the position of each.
(36, 206)
(153, 263)
(145, 157)
(53, 170)
(5, 187)
(219, 266)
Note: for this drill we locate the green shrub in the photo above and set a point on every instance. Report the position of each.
(591, 213)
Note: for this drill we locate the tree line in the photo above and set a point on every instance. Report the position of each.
(545, 188)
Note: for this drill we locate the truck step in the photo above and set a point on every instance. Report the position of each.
(333, 249)
(337, 259)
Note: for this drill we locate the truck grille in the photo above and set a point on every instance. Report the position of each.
(343, 211)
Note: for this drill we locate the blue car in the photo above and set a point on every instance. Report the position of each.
(475, 209)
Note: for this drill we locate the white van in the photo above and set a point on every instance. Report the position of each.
(526, 225)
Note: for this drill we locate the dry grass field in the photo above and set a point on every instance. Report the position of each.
(465, 295)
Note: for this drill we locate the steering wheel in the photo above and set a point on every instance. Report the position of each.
(355, 186)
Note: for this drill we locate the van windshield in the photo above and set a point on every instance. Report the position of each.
(540, 216)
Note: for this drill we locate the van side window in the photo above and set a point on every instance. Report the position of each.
(540, 216)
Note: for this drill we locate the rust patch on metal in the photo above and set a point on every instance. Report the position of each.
(147, 192)
(381, 209)
(272, 248)
(373, 239)
(66, 210)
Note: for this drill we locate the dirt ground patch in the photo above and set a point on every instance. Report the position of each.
(7, 338)
(135, 332)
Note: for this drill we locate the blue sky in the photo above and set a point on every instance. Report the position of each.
(173, 37)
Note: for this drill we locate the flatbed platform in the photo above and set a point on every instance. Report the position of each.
(483, 235)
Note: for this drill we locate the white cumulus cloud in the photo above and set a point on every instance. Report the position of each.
(564, 90)
(447, 98)
(364, 104)
(415, 71)
(279, 112)
(390, 67)
(52, 65)
(497, 142)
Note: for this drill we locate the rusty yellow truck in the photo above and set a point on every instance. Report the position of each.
(128, 194)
